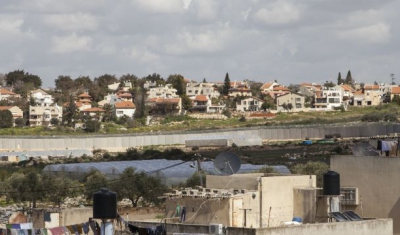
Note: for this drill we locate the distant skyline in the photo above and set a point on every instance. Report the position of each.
(291, 41)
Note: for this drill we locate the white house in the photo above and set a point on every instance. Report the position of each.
(166, 91)
(15, 111)
(41, 97)
(124, 108)
(249, 104)
(42, 115)
(208, 89)
(329, 97)
(296, 100)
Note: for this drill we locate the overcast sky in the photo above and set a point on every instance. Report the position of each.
(291, 41)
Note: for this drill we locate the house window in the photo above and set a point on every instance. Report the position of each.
(298, 106)
(120, 112)
(298, 99)
(244, 102)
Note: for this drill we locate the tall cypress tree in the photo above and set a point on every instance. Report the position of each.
(227, 85)
(339, 79)
(349, 79)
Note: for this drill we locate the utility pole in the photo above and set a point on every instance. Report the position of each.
(245, 216)
(392, 78)
(199, 170)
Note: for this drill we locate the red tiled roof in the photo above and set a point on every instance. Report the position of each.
(5, 107)
(84, 95)
(371, 87)
(6, 92)
(201, 98)
(94, 110)
(347, 88)
(281, 88)
(266, 85)
(395, 90)
(125, 105)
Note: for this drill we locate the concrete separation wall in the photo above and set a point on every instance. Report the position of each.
(122, 142)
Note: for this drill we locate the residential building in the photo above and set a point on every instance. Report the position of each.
(124, 108)
(347, 91)
(8, 95)
(374, 181)
(239, 91)
(208, 89)
(166, 91)
(164, 106)
(268, 87)
(329, 98)
(394, 90)
(15, 111)
(203, 104)
(42, 115)
(41, 97)
(249, 104)
(295, 100)
(114, 86)
(309, 89)
(364, 97)
(93, 112)
(110, 99)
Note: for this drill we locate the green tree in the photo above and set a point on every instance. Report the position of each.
(194, 180)
(32, 79)
(349, 79)
(204, 80)
(83, 82)
(20, 122)
(94, 181)
(13, 77)
(178, 83)
(92, 125)
(138, 186)
(186, 102)
(64, 83)
(59, 188)
(70, 112)
(227, 85)
(54, 121)
(34, 188)
(340, 80)
(155, 77)
(108, 114)
(312, 168)
(329, 84)
(6, 119)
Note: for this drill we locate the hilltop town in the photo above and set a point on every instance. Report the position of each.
(132, 102)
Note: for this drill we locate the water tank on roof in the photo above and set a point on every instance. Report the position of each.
(104, 204)
(331, 183)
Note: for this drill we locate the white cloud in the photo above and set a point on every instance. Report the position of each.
(140, 54)
(277, 14)
(245, 14)
(163, 6)
(209, 42)
(376, 33)
(71, 43)
(206, 9)
(72, 22)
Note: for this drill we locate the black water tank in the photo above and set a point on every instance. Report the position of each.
(104, 204)
(331, 183)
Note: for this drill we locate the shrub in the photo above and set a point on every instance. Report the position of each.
(20, 122)
(242, 119)
(54, 121)
(227, 113)
(371, 117)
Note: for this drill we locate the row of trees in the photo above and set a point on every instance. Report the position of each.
(32, 187)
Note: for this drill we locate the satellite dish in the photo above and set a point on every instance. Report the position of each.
(227, 163)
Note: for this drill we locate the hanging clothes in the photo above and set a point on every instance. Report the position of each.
(85, 228)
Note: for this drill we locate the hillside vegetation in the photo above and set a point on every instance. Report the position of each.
(385, 112)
